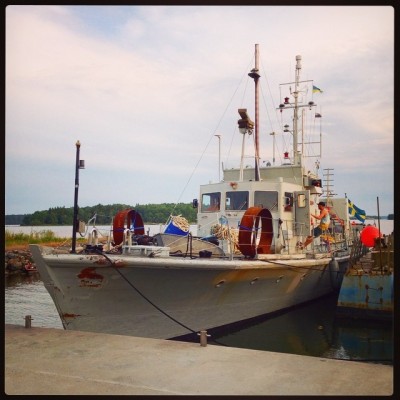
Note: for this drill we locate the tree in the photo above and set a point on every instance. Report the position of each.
(103, 214)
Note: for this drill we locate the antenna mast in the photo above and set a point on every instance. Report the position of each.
(254, 73)
(296, 116)
(329, 185)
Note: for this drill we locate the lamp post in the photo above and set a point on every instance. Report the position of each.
(79, 164)
(219, 157)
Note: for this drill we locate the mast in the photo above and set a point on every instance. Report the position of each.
(298, 156)
(296, 109)
(254, 73)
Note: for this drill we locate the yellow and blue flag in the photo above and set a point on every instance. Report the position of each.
(316, 89)
(354, 211)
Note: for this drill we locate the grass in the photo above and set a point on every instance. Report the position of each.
(22, 240)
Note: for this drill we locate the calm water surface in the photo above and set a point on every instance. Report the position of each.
(26, 295)
(386, 227)
(315, 330)
(312, 329)
(66, 230)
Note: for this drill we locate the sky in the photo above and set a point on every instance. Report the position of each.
(145, 89)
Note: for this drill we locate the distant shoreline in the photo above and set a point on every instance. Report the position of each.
(372, 218)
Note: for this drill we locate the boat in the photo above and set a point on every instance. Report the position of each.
(367, 290)
(245, 260)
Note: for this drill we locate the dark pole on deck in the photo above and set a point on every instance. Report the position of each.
(75, 221)
(379, 237)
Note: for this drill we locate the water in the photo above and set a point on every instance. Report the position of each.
(315, 330)
(26, 295)
(66, 230)
(311, 330)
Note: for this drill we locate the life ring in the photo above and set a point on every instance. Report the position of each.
(248, 232)
(123, 220)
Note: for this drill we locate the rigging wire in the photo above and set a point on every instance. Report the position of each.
(208, 143)
(271, 96)
(235, 128)
(278, 117)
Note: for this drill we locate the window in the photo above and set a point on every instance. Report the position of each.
(237, 200)
(266, 200)
(210, 202)
(301, 200)
(288, 201)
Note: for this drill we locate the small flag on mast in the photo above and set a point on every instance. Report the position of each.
(316, 89)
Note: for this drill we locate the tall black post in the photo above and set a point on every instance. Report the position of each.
(75, 221)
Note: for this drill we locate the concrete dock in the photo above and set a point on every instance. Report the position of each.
(50, 361)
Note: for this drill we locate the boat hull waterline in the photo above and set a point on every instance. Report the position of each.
(163, 298)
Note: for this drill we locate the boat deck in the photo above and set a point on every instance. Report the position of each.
(56, 362)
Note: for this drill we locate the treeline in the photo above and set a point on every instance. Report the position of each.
(14, 219)
(151, 213)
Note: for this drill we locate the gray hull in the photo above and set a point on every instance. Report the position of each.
(165, 297)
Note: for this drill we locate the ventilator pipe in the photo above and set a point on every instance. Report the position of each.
(93, 237)
(127, 237)
(110, 237)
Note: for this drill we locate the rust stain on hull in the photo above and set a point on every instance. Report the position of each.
(102, 261)
(90, 278)
(66, 315)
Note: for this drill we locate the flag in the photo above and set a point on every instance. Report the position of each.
(356, 212)
(316, 89)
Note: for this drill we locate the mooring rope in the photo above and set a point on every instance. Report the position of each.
(224, 232)
(142, 295)
(149, 301)
(180, 222)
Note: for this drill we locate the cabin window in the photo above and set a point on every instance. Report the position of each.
(301, 200)
(237, 200)
(210, 202)
(265, 199)
(288, 201)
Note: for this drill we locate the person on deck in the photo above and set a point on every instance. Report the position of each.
(324, 219)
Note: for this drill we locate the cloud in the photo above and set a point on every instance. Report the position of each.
(146, 88)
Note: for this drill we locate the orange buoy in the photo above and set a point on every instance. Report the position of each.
(127, 219)
(248, 232)
(368, 235)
